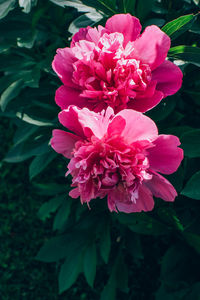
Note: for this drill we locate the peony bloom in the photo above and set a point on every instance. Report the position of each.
(119, 156)
(116, 66)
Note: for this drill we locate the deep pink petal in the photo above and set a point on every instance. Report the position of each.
(138, 127)
(161, 188)
(63, 65)
(169, 78)
(74, 193)
(126, 24)
(165, 156)
(66, 96)
(152, 46)
(145, 104)
(63, 142)
(80, 35)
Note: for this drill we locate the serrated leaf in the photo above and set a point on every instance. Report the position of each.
(39, 163)
(62, 214)
(192, 188)
(105, 242)
(89, 264)
(179, 25)
(10, 93)
(188, 54)
(49, 207)
(190, 142)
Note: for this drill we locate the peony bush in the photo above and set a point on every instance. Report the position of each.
(126, 123)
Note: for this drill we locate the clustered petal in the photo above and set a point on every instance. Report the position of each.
(110, 77)
(116, 66)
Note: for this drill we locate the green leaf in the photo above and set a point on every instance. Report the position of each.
(70, 270)
(33, 121)
(179, 25)
(39, 163)
(27, 4)
(192, 188)
(109, 291)
(62, 214)
(89, 264)
(24, 132)
(188, 54)
(144, 8)
(105, 242)
(193, 240)
(121, 274)
(190, 142)
(142, 223)
(50, 207)
(10, 93)
(88, 19)
(5, 7)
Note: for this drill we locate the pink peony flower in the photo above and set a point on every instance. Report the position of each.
(116, 66)
(118, 156)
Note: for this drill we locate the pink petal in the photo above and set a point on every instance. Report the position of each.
(152, 46)
(74, 193)
(63, 65)
(169, 78)
(63, 142)
(80, 35)
(66, 96)
(161, 188)
(126, 24)
(138, 127)
(165, 156)
(145, 104)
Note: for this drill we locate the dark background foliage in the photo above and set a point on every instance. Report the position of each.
(94, 254)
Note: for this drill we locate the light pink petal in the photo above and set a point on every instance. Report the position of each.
(165, 156)
(152, 46)
(80, 35)
(66, 96)
(126, 24)
(169, 78)
(161, 188)
(63, 65)
(145, 104)
(138, 127)
(63, 142)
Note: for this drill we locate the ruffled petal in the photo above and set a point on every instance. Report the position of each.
(63, 65)
(126, 24)
(137, 127)
(169, 78)
(165, 156)
(63, 142)
(80, 35)
(161, 188)
(152, 46)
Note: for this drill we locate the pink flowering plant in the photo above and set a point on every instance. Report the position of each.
(105, 99)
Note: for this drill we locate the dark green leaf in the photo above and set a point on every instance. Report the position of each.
(62, 214)
(190, 142)
(105, 242)
(27, 4)
(179, 25)
(89, 264)
(192, 188)
(10, 93)
(144, 8)
(188, 54)
(50, 207)
(5, 7)
(193, 240)
(109, 291)
(40, 162)
(28, 119)
(88, 19)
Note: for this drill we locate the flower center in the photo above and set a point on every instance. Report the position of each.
(107, 73)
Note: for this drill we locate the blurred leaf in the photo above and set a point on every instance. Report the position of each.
(23, 132)
(49, 207)
(88, 19)
(27, 4)
(128, 6)
(10, 93)
(192, 188)
(105, 242)
(193, 240)
(179, 25)
(89, 263)
(62, 214)
(190, 142)
(70, 270)
(49, 189)
(188, 54)
(143, 8)
(121, 275)
(40, 162)
(31, 120)
(5, 7)
(109, 291)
